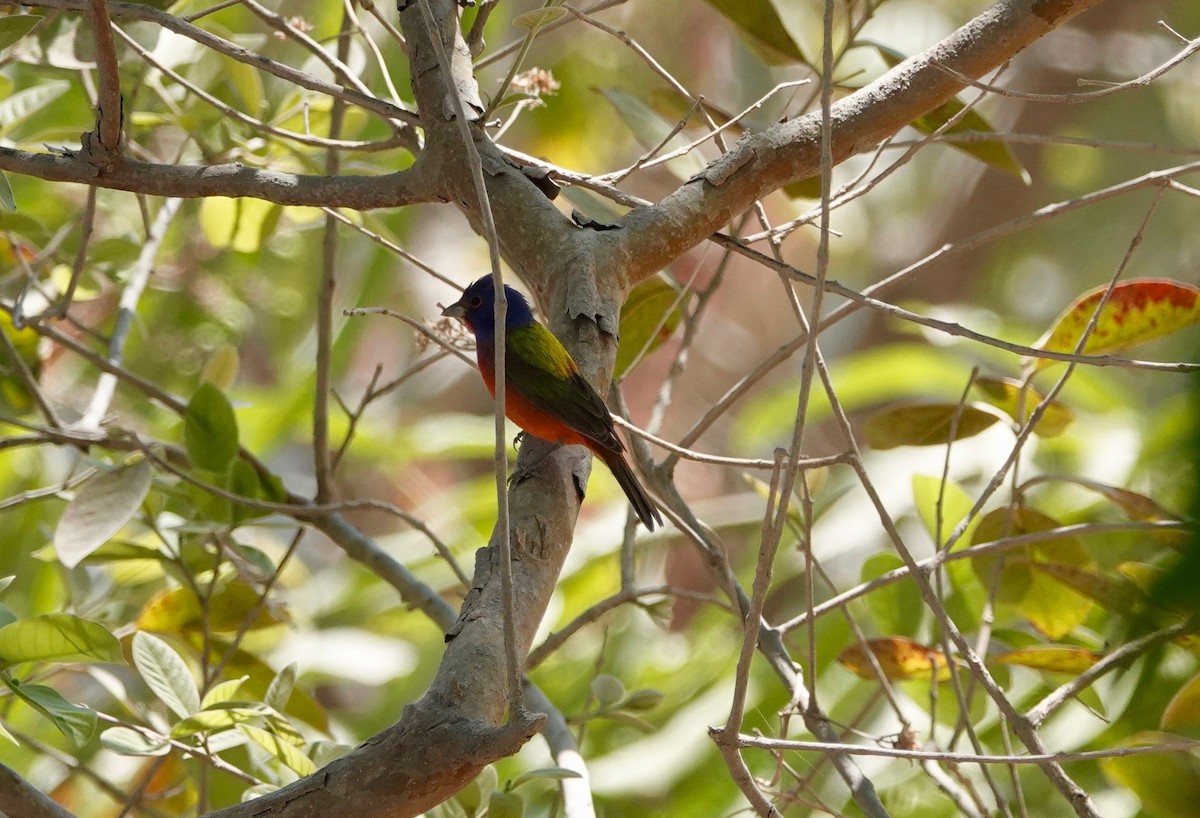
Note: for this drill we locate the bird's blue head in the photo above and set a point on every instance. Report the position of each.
(477, 308)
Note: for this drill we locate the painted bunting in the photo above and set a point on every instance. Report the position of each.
(545, 394)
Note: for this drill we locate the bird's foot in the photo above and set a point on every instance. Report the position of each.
(521, 473)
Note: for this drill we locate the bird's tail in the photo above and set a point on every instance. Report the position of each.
(637, 495)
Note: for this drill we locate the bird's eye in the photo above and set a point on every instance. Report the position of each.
(475, 302)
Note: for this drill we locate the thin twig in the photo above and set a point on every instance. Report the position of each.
(1083, 96)
(106, 385)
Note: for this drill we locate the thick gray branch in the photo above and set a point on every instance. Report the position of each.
(193, 181)
(766, 161)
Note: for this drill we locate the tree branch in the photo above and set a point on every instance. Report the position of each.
(760, 163)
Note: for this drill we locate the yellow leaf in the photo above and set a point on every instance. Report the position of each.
(898, 658)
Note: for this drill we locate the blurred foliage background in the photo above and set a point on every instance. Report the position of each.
(231, 302)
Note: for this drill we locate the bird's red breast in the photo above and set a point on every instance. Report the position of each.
(521, 411)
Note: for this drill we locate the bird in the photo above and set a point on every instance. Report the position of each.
(545, 393)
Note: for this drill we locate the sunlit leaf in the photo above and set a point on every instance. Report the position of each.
(179, 610)
(995, 152)
(899, 659)
(101, 507)
(14, 394)
(895, 608)
(928, 424)
(1050, 606)
(214, 719)
(223, 692)
(1114, 593)
(955, 504)
(1139, 310)
(1006, 394)
(221, 368)
(236, 224)
(210, 430)
(127, 742)
(648, 318)
(166, 673)
(1167, 783)
(74, 721)
(15, 26)
(1056, 659)
(759, 21)
(301, 705)
(57, 637)
(1183, 711)
(282, 750)
(19, 106)
(281, 688)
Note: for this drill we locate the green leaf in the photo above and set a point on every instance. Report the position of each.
(244, 481)
(7, 200)
(166, 673)
(1183, 711)
(1051, 606)
(956, 504)
(74, 721)
(1053, 658)
(221, 368)
(126, 742)
(14, 394)
(896, 608)
(545, 773)
(1018, 403)
(237, 224)
(760, 22)
(286, 753)
(648, 318)
(58, 637)
(645, 698)
(533, 20)
(210, 431)
(1167, 783)
(504, 804)
(100, 508)
(15, 26)
(994, 152)
(18, 107)
(220, 717)
(927, 424)
(651, 130)
(223, 692)
(281, 688)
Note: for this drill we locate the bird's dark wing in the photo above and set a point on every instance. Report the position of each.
(539, 367)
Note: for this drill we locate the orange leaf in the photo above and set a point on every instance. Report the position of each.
(898, 658)
(1137, 311)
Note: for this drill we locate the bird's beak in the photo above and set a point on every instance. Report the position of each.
(455, 310)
